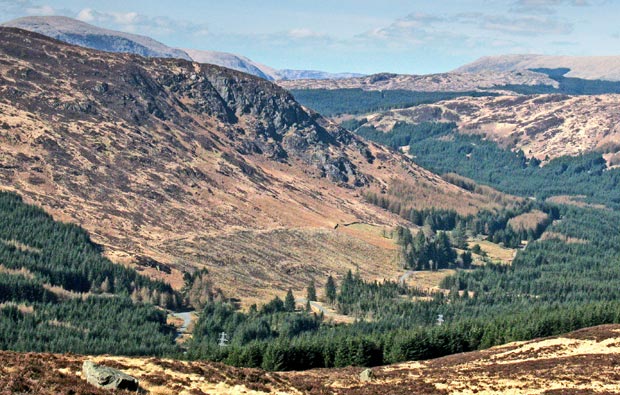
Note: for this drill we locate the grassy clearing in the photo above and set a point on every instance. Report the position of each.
(494, 251)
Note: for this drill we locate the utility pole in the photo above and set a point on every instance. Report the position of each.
(223, 341)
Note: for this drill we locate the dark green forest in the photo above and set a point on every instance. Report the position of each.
(59, 294)
(567, 85)
(331, 102)
(556, 285)
(486, 163)
(552, 287)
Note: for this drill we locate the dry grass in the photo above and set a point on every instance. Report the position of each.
(495, 251)
(574, 200)
(562, 237)
(428, 281)
(527, 221)
(21, 246)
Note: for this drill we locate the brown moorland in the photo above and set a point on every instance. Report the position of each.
(542, 126)
(581, 362)
(173, 165)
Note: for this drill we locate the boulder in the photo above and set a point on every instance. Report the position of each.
(108, 378)
(367, 375)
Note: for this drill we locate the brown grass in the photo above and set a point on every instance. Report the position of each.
(574, 200)
(582, 362)
(495, 251)
(527, 221)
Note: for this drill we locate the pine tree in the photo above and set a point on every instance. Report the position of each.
(311, 292)
(289, 301)
(330, 289)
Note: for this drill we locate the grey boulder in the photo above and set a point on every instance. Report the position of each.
(108, 378)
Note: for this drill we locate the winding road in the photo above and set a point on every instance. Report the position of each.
(187, 319)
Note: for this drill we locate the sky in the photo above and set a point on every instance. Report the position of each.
(364, 36)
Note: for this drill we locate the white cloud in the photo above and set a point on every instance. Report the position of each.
(43, 10)
(135, 22)
(302, 33)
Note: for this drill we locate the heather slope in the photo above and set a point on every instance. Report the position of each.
(194, 165)
(580, 362)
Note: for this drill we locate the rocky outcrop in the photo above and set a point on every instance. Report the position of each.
(108, 378)
(367, 375)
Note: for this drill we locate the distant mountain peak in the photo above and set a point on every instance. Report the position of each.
(586, 67)
(80, 33)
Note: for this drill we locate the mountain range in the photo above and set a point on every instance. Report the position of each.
(443, 82)
(76, 32)
(586, 67)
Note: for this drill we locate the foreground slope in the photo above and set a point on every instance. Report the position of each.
(194, 165)
(582, 362)
(587, 67)
(542, 126)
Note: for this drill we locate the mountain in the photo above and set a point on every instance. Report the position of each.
(445, 82)
(80, 33)
(232, 61)
(288, 74)
(83, 34)
(182, 165)
(586, 67)
(542, 126)
(581, 362)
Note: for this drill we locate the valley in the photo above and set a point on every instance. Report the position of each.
(209, 224)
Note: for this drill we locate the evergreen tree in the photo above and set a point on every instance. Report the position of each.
(330, 290)
(311, 292)
(289, 301)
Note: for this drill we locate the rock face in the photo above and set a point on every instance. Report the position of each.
(108, 378)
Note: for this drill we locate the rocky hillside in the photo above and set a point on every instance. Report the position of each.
(543, 126)
(446, 82)
(194, 165)
(586, 67)
(582, 362)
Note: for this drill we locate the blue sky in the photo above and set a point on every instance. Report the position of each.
(415, 36)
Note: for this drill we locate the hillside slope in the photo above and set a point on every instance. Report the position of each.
(587, 67)
(194, 165)
(543, 126)
(582, 362)
(445, 82)
(232, 61)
